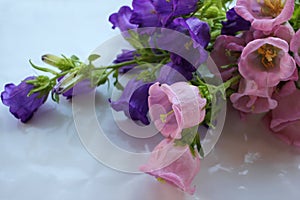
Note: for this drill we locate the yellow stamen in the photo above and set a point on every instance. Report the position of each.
(163, 117)
(161, 180)
(268, 53)
(153, 12)
(188, 45)
(272, 8)
(253, 108)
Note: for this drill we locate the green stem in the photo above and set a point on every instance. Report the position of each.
(135, 61)
(117, 66)
(234, 80)
(59, 75)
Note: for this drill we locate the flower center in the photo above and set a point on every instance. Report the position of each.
(163, 117)
(272, 7)
(268, 54)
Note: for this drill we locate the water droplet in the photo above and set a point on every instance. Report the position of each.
(251, 157)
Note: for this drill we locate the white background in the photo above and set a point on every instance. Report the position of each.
(44, 159)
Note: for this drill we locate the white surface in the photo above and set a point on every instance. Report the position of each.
(44, 159)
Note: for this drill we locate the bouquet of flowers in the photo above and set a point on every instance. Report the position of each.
(187, 57)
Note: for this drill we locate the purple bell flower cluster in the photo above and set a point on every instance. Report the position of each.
(165, 15)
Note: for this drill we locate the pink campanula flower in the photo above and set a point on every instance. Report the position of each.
(175, 107)
(284, 32)
(295, 46)
(284, 120)
(173, 164)
(267, 62)
(264, 15)
(253, 99)
(226, 51)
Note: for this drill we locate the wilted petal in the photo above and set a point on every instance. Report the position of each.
(252, 98)
(174, 164)
(284, 120)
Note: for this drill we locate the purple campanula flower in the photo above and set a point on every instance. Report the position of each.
(121, 19)
(126, 55)
(234, 23)
(182, 66)
(82, 87)
(198, 30)
(20, 104)
(169, 75)
(174, 8)
(186, 53)
(134, 101)
(144, 14)
(138, 104)
(122, 104)
(151, 13)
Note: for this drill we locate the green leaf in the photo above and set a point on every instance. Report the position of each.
(93, 57)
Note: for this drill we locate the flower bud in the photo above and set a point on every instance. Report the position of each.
(63, 64)
(212, 12)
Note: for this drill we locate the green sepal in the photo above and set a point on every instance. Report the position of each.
(62, 63)
(43, 69)
(117, 84)
(55, 97)
(42, 85)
